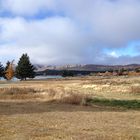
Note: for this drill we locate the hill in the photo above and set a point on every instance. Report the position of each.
(87, 67)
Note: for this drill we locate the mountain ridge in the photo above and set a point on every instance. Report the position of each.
(86, 67)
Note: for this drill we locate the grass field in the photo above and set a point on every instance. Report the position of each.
(87, 108)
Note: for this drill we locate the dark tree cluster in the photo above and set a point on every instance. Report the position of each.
(22, 71)
(67, 73)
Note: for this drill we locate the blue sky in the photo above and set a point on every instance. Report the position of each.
(55, 32)
(131, 49)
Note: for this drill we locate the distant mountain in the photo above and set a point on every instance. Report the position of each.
(87, 67)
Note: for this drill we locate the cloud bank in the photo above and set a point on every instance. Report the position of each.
(70, 32)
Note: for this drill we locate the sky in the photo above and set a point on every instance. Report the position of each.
(57, 32)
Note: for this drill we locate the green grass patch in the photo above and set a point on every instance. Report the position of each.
(129, 104)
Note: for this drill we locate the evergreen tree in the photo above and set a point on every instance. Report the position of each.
(1, 70)
(24, 68)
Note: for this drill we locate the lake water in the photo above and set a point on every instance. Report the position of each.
(39, 77)
(48, 77)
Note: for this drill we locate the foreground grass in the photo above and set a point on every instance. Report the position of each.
(40, 120)
(73, 109)
(69, 97)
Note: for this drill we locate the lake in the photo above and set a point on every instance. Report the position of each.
(48, 77)
(39, 77)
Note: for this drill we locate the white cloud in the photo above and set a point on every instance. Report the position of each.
(52, 40)
(26, 7)
(113, 54)
(80, 37)
(113, 23)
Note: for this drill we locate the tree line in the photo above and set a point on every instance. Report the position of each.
(22, 71)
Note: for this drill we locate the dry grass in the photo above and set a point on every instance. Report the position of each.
(135, 90)
(36, 120)
(18, 93)
(75, 98)
(15, 90)
(66, 96)
(39, 117)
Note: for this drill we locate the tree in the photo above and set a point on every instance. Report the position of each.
(1, 70)
(9, 71)
(5, 69)
(7, 65)
(24, 68)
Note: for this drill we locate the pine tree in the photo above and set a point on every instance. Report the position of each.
(24, 68)
(1, 70)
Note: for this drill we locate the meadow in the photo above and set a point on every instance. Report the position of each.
(87, 108)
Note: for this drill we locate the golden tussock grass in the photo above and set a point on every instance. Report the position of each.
(61, 95)
(75, 98)
(67, 118)
(15, 90)
(18, 93)
(135, 90)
